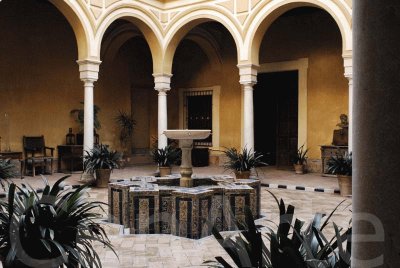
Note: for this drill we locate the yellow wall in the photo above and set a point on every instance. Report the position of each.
(316, 37)
(39, 77)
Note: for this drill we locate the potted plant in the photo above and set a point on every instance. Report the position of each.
(126, 124)
(341, 166)
(51, 229)
(102, 161)
(241, 162)
(165, 157)
(300, 160)
(79, 118)
(7, 171)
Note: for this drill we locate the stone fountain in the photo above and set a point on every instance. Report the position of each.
(184, 205)
(186, 137)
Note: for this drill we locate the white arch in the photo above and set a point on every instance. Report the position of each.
(271, 11)
(141, 19)
(79, 23)
(183, 23)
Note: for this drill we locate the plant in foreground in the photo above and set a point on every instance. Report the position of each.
(55, 228)
(309, 248)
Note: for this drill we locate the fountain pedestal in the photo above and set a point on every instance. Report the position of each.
(186, 163)
(186, 137)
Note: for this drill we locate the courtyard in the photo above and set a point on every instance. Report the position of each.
(161, 250)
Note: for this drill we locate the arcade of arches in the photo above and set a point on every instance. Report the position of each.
(147, 59)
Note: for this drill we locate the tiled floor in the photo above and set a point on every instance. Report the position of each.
(171, 251)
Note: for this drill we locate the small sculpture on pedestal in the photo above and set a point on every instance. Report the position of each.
(340, 136)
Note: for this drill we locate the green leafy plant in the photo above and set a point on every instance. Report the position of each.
(300, 158)
(127, 124)
(290, 246)
(53, 229)
(167, 156)
(7, 169)
(80, 116)
(243, 160)
(340, 164)
(100, 157)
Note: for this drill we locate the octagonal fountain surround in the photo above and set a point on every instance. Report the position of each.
(182, 204)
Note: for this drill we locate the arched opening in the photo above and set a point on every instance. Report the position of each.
(126, 85)
(39, 77)
(205, 84)
(301, 90)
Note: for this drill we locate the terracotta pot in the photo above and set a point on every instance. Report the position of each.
(103, 177)
(345, 185)
(299, 169)
(242, 175)
(164, 171)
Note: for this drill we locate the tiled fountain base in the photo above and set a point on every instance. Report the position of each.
(148, 205)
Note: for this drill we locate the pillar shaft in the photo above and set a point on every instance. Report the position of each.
(88, 123)
(89, 73)
(248, 122)
(376, 144)
(348, 73)
(162, 85)
(248, 78)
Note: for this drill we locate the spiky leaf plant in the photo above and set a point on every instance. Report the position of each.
(340, 164)
(166, 156)
(290, 246)
(242, 160)
(7, 169)
(100, 157)
(300, 158)
(55, 228)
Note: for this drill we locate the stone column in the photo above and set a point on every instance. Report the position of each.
(162, 84)
(248, 78)
(376, 144)
(348, 73)
(89, 72)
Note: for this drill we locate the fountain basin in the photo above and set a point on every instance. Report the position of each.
(146, 205)
(187, 134)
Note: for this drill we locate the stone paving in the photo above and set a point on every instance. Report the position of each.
(170, 251)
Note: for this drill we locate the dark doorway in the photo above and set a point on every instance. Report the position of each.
(276, 117)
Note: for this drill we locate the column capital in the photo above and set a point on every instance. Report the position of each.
(89, 70)
(348, 65)
(162, 82)
(248, 74)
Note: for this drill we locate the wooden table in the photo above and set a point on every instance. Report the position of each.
(71, 154)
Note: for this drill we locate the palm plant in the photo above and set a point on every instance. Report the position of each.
(127, 125)
(100, 157)
(53, 229)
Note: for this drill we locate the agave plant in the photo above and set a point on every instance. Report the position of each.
(300, 158)
(290, 246)
(243, 160)
(53, 229)
(100, 157)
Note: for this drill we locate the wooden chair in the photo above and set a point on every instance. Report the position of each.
(35, 155)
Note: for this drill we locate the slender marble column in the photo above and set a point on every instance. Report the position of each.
(162, 85)
(89, 73)
(248, 78)
(376, 144)
(348, 73)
